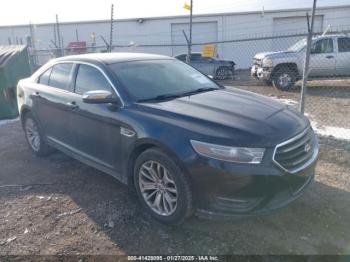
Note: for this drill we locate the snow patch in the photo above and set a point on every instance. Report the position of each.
(286, 101)
(331, 131)
(8, 121)
(322, 130)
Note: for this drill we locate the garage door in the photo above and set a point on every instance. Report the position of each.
(201, 32)
(289, 26)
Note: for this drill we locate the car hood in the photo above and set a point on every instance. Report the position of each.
(231, 117)
(274, 55)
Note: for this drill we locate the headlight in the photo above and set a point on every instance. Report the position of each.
(267, 62)
(230, 154)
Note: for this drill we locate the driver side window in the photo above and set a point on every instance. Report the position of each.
(89, 79)
(322, 46)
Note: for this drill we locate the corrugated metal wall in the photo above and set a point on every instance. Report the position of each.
(159, 33)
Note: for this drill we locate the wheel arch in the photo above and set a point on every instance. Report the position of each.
(289, 66)
(24, 110)
(143, 145)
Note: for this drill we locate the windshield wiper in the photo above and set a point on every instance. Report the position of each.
(160, 98)
(199, 90)
(173, 96)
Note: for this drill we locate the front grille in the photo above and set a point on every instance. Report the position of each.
(296, 153)
(256, 61)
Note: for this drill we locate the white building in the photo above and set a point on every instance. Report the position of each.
(163, 35)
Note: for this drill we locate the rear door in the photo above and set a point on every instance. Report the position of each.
(96, 127)
(343, 58)
(50, 102)
(323, 58)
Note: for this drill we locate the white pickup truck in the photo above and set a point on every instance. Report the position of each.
(330, 58)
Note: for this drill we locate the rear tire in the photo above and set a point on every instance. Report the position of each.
(284, 79)
(34, 136)
(163, 189)
(223, 73)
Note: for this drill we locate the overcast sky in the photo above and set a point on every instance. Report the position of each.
(43, 11)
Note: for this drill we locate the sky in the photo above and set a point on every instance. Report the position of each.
(43, 11)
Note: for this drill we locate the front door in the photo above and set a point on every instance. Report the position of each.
(323, 58)
(95, 127)
(343, 58)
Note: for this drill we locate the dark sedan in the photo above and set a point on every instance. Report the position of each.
(185, 143)
(217, 68)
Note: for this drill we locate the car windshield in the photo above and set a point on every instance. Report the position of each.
(161, 79)
(298, 46)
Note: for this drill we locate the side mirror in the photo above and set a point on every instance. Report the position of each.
(99, 97)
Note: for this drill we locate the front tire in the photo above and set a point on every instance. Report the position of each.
(163, 189)
(34, 136)
(284, 79)
(267, 83)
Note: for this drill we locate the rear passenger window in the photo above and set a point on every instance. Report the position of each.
(89, 79)
(44, 78)
(196, 57)
(60, 76)
(344, 44)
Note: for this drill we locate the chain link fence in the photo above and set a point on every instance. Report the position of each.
(277, 62)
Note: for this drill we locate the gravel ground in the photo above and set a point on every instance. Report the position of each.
(56, 205)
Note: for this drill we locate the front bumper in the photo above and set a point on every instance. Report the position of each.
(226, 190)
(260, 73)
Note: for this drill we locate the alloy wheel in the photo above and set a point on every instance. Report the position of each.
(32, 133)
(158, 188)
(223, 73)
(284, 80)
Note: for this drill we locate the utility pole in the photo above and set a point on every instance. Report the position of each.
(111, 30)
(55, 35)
(34, 59)
(189, 48)
(59, 38)
(307, 57)
(77, 34)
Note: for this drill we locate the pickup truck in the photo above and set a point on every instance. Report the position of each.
(330, 58)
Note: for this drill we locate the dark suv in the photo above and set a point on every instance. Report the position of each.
(181, 140)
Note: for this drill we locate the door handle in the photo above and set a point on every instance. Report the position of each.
(329, 56)
(35, 94)
(72, 105)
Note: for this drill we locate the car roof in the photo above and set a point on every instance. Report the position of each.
(330, 35)
(111, 58)
(193, 53)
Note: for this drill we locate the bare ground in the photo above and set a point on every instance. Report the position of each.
(56, 205)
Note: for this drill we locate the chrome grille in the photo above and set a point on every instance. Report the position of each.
(256, 61)
(296, 153)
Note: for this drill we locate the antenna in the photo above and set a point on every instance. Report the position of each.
(326, 30)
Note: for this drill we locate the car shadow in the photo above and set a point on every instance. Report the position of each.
(317, 223)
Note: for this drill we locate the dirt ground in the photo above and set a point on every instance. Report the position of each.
(56, 205)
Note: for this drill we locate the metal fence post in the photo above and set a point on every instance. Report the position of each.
(111, 30)
(307, 58)
(189, 42)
